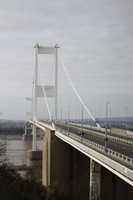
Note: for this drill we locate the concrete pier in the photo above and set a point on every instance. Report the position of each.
(34, 160)
(95, 180)
(28, 132)
(27, 137)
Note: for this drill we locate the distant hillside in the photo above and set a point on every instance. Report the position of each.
(119, 119)
(11, 123)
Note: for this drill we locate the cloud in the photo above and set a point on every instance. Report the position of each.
(96, 44)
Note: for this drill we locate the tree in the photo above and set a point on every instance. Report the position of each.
(3, 144)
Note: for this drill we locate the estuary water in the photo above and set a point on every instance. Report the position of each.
(16, 149)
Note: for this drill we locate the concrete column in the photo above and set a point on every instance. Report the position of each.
(27, 137)
(95, 180)
(56, 161)
(34, 137)
(34, 160)
(25, 129)
(28, 130)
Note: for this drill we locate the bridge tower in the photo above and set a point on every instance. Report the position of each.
(44, 90)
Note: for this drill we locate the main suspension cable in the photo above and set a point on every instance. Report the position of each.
(77, 92)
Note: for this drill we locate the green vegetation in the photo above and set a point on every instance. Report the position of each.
(9, 127)
(11, 130)
(13, 186)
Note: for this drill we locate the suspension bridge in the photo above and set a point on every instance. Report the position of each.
(71, 146)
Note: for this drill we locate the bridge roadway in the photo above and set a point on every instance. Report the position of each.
(98, 137)
(125, 137)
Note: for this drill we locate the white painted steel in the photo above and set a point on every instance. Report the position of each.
(29, 114)
(35, 98)
(49, 91)
(41, 125)
(56, 79)
(46, 50)
(34, 146)
(44, 91)
(78, 96)
(28, 99)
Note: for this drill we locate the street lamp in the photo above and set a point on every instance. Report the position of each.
(126, 119)
(81, 132)
(69, 119)
(110, 121)
(106, 124)
(75, 117)
(61, 121)
(99, 118)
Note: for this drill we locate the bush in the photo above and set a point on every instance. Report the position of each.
(13, 186)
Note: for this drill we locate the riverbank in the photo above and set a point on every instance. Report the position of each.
(11, 130)
(11, 137)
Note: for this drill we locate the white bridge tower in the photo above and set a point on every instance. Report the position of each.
(44, 91)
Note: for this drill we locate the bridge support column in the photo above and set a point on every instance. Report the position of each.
(34, 138)
(56, 161)
(27, 135)
(95, 180)
(34, 161)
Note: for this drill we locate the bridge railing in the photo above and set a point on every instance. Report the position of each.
(111, 152)
(120, 170)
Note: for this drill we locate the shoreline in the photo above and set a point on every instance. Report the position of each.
(11, 137)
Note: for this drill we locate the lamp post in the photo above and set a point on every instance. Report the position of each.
(99, 117)
(75, 117)
(69, 119)
(91, 120)
(126, 119)
(61, 121)
(106, 124)
(81, 133)
(110, 121)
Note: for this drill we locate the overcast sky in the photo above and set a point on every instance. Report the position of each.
(96, 44)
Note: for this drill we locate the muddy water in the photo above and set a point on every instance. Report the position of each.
(16, 149)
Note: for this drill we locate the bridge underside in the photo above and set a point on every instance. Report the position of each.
(114, 188)
(68, 168)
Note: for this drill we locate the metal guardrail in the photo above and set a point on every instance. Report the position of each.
(100, 147)
(110, 151)
(115, 138)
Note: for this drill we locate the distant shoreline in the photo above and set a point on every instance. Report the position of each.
(11, 137)
(4, 130)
